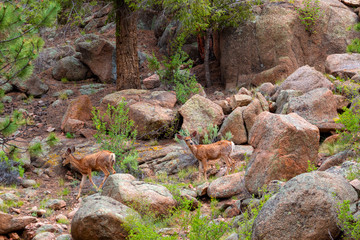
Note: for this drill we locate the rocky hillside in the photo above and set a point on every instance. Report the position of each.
(279, 90)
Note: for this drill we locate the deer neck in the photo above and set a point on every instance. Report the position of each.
(75, 162)
(193, 148)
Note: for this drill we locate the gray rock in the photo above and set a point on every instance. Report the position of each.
(44, 236)
(101, 217)
(344, 65)
(305, 208)
(28, 183)
(142, 196)
(227, 186)
(98, 54)
(71, 69)
(55, 204)
(32, 86)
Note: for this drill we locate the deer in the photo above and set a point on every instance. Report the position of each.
(103, 160)
(206, 152)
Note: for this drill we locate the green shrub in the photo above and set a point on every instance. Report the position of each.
(116, 133)
(252, 211)
(52, 139)
(309, 14)
(354, 46)
(346, 221)
(311, 166)
(35, 149)
(174, 75)
(349, 135)
(70, 135)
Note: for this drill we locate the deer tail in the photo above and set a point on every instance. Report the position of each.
(112, 158)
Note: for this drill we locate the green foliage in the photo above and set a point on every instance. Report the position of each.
(252, 211)
(197, 16)
(350, 118)
(311, 166)
(69, 135)
(346, 221)
(201, 227)
(8, 204)
(354, 46)
(211, 133)
(174, 75)
(35, 149)
(309, 14)
(20, 21)
(195, 226)
(116, 133)
(352, 173)
(52, 139)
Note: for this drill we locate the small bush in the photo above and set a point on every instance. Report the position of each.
(354, 46)
(347, 222)
(9, 170)
(175, 74)
(116, 133)
(252, 211)
(310, 14)
(69, 135)
(350, 118)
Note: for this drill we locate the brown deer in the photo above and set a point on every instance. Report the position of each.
(103, 160)
(206, 152)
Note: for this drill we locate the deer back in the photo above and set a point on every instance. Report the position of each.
(213, 150)
(97, 160)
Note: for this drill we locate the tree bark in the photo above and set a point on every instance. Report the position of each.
(206, 57)
(127, 63)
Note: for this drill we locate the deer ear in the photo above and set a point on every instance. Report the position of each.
(179, 136)
(68, 151)
(193, 134)
(72, 149)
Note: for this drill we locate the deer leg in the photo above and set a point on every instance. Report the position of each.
(81, 185)
(112, 169)
(204, 165)
(106, 172)
(90, 178)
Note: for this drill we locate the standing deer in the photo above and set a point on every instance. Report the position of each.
(203, 153)
(103, 160)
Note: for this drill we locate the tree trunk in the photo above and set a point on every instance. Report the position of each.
(206, 58)
(127, 63)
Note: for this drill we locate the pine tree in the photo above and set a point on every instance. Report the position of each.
(20, 22)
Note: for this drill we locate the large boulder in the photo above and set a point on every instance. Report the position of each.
(79, 109)
(140, 195)
(250, 113)
(304, 79)
(305, 208)
(151, 121)
(235, 124)
(33, 86)
(10, 223)
(101, 217)
(283, 99)
(165, 99)
(70, 68)
(274, 43)
(227, 186)
(48, 57)
(344, 65)
(199, 112)
(318, 106)
(284, 146)
(98, 54)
